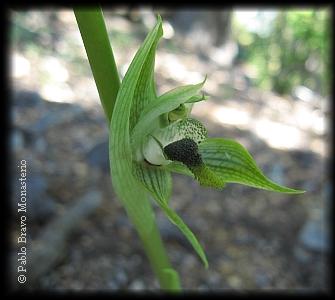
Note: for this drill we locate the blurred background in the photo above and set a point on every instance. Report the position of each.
(269, 75)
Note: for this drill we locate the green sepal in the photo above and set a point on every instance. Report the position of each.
(162, 105)
(154, 180)
(233, 163)
(176, 220)
(157, 180)
(125, 185)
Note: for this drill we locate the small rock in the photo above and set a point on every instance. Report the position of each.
(214, 279)
(136, 285)
(277, 173)
(56, 117)
(41, 212)
(112, 285)
(27, 99)
(16, 140)
(40, 145)
(302, 255)
(305, 159)
(121, 277)
(314, 236)
(40, 206)
(262, 280)
(97, 156)
(234, 281)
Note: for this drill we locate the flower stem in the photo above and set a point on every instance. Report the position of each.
(100, 55)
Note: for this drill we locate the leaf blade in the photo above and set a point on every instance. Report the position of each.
(149, 177)
(119, 139)
(231, 161)
(145, 91)
(157, 180)
(163, 104)
(176, 220)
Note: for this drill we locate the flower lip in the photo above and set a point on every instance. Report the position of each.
(149, 163)
(185, 151)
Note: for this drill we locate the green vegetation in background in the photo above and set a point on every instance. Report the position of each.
(295, 51)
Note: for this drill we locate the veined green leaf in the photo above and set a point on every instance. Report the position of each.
(157, 180)
(175, 219)
(125, 184)
(163, 104)
(145, 91)
(233, 163)
(154, 180)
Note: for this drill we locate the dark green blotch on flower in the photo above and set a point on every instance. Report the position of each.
(185, 151)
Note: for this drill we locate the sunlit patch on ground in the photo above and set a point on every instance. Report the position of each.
(295, 126)
(20, 66)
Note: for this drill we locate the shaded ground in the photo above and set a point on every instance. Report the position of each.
(253, 239)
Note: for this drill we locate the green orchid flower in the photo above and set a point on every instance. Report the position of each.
(152, 136)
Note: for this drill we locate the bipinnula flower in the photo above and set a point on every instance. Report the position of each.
(152, 136)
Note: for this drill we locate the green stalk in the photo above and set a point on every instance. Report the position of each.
(100, 55)
(94, 34)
